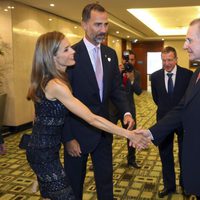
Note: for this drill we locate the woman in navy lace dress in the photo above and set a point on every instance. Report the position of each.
(52, 97)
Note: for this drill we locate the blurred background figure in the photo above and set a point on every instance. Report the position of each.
(131, 83)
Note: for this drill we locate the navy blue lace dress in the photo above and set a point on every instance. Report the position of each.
(43, 150)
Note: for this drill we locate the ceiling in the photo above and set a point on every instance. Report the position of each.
(170, 13)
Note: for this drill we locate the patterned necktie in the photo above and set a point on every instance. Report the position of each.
(98, 70)
(170, 83)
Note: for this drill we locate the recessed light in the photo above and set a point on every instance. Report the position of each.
(117, 32)
(52, 4)
(135, 40)
(10, 7)
(75, 27)
(50, 19)
(128, 36)
(6, 10)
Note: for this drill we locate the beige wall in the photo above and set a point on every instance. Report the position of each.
(128, 45)
(115, 43)
(22, 26)
(6, 61)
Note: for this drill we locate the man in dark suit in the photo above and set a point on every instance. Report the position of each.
(82, 139)
(132, 84)
(165, 101)
(187, 114)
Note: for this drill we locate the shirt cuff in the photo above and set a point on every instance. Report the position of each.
(127, 113)
(150, 134)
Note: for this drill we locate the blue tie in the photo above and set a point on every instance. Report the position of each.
(170, 83)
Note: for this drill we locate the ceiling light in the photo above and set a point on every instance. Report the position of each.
(50, 19)
(75, 27)
(135, 40)
(6, 10)
(117, 32)
(156, 19)
(124, 26)
(128, 36)
(10, 7)
(52, 5)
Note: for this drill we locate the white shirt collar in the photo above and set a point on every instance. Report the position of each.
(173, 71)
(89, 45)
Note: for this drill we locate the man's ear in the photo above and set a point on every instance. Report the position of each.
(84, 25)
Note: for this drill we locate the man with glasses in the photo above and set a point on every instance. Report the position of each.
(168, 87)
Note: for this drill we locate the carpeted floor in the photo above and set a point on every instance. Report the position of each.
(16, 178)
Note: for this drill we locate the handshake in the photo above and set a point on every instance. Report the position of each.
(140, 138)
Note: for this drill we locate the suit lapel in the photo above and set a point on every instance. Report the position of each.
(178, 80)
(88, 69)
(162, 81)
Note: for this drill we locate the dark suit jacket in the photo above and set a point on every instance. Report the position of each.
(162, 99)
(187, 112)
(85, 88)
(131, 89)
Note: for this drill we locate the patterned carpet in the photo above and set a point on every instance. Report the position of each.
(16, 178)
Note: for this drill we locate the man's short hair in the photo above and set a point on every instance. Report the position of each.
(86, 14)
(131, 52)
(169, 49)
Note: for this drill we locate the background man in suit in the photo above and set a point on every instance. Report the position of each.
(187, 114)
(82, 139)
(165, 101)
(132, 84)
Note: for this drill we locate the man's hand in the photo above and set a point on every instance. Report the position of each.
(130, 76)
(129, 121)
(73, 148)
(145, 132)
(139, 139)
